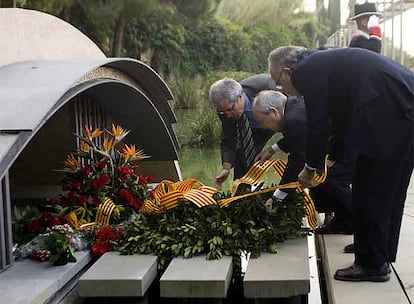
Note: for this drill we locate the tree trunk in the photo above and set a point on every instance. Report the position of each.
(155, 61)
(66, 13)
(118, 35)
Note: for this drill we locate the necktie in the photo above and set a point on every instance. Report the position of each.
(246, 140)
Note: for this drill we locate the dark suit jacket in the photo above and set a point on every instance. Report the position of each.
(371, 43)
(367, 97)
(231, 151)
(294, 138)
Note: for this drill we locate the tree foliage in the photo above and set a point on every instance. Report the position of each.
(185, 36)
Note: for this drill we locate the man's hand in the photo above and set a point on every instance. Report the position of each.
(273, 203)
(264, 156)
(374, 27)
(305, 178)
(221, 177)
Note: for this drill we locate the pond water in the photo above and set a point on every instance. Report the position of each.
(204, 163)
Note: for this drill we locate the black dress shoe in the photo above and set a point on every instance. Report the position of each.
(349, 248)
(357, 273)
(330, 229)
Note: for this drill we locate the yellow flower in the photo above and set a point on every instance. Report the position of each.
(84, 147)
(92, 134)
(108, 144)
(118, 133)
(130, 152)
(71, 162)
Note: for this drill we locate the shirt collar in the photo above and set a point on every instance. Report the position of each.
(362, 33)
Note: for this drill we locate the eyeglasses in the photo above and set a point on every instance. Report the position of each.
(278, 85)
(228, 110)
(231, 109)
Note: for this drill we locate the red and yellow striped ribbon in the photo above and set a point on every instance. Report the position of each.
(168, 195)
(102, 218)
(256, 172)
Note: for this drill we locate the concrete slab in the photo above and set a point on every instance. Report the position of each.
(404, 265)
(314, 296)
(28, 281)
(354, 292)
(279, 275)
(115, 275)
(196, 278)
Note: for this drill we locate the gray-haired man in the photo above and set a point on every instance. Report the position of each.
(242, 137)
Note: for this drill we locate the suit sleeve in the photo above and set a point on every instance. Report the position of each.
(373, 43)
(311, 79)
(294, 143)
(257, 83)
(228, 140)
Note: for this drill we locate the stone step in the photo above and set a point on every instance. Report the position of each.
(340, 292)
(196, 278)
(115, 275)
(404, 265)
(29, 281)
(280, 275)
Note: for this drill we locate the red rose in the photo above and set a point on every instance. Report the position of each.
(101, 164)
(76, 185)
(150, 178)
(100, 248)
(104, 179)
(49, 220)
(65, 187)
(124, 171)
(152, 194)
(95, 201)
(55, 201)
(96, 184)
(34, 226)
(85, 170)
(83, 199)
(142, 180)
(72, 195)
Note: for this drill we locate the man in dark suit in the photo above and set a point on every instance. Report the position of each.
(369, 32)
(368, 37)
(366, 100)
(233, 103)
(274, 111)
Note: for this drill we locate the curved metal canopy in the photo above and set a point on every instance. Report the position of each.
(33, 91)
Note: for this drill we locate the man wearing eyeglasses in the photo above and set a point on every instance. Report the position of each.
(233, 101)
(368, 99)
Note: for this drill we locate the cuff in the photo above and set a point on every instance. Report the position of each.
(309, 167)
(275, 147)
(279, 194)
(375, 32)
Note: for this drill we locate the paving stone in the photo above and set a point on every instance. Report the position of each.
(115, 275)
(340, 292)
(280, 275)
(196, 278)
(404, 264)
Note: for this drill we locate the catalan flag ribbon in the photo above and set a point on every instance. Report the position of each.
(103, 216)
(256, 172)
(168, 194)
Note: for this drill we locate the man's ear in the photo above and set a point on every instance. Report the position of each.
(288, 71)
(273, 110)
